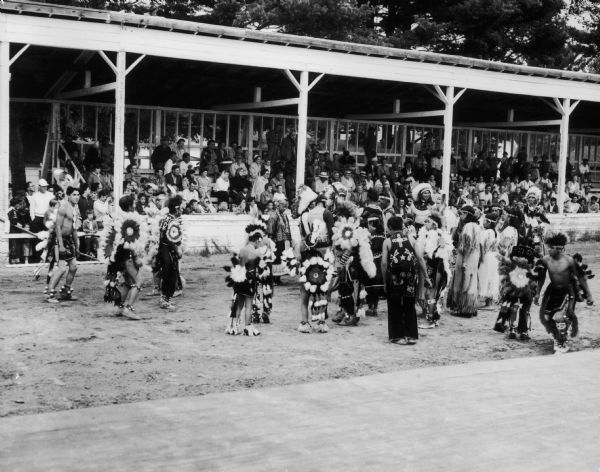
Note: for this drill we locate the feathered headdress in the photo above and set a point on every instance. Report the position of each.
(256, 230)
(305, 197)
(535, 192)
(420, 188)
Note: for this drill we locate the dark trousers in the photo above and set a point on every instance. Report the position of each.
(402, 316)
(169, 271)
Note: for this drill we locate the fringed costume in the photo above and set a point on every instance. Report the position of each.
(354, 263)
(316, 269)
(534, 220)
(251, 278)
(422, 204)
(464, 291)
(489, 279)
(437, 250)
(124, 242)
(518, 281)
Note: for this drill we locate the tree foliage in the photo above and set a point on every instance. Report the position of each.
(549, 33)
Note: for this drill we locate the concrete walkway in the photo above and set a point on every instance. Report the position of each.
(536, 414)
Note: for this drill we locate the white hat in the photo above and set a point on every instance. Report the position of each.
(305, 198)
(420, 188)
(42, 183)
(535, 192)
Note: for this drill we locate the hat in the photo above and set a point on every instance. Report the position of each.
(324, 175)
(42, 183)
(420, 188)
(305, 198)
(534, 192)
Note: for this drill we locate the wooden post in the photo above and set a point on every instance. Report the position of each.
(119, 141)
(302, 123)
(4, 130)
(563, 154)
(446, 159)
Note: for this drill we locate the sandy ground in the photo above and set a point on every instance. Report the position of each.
(79, 354)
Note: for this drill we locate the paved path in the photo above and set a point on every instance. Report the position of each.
(536, 414)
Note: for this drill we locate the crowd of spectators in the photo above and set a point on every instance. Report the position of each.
(223, 181)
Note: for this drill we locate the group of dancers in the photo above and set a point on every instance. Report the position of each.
(433, 257)
(128, 241)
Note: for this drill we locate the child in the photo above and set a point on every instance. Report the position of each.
(400, 264)
(566, 278)
(90, 240)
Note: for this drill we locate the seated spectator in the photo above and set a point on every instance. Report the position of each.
(172, 161)
(221, 188)
(594, 206)
(90, 238)
(322, 183)
(255, 169)
(279, 179)
(174, 179)
(185, 164)
(526, 183)
(279, 195)
(141, 205)
(348, 181)
(267, 195)
(259, 185)
(573, 187)
(189, 191)
(101, 207)
(132, 174)
(204, 182)
(584, 171)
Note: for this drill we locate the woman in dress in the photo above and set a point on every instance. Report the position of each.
(463, 296)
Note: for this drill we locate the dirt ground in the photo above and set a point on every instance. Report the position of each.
(78, 354)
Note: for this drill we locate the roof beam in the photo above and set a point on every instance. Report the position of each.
(84, 92)
(35, 30)
(18, 54)
(397, 116)
(65, 79)
(511, 124)
(258, 105)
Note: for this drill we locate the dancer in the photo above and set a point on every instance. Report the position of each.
(243, 279)
(66, 248)
(353, 261)
(518, 281)
(489, 280)
(400, 266)
(534, 220)
(463, 295)
(374, 286)
(316, 260)
(124, 241)
(422, 204)
(170, 252)
(436, 246)
(567, 278)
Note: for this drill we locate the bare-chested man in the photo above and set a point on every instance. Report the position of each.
(565, 279)
(66, 247)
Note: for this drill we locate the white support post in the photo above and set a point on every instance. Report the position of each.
(564, 151)
(446, 159)
(302, 123)
(119, 142)
(4, 131)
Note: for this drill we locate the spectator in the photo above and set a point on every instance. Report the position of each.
(171, 161)
(185, 164)
(180, 151)
(348, 181)
(41, 202)
(101, 207)
(221, 188)
(174, 179)
(161, 154)
(584, 171)
(204, 182)
(90, 239)
(279, 194)
(255, 168)
(267, 195)
(322, 183)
